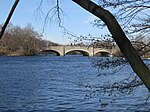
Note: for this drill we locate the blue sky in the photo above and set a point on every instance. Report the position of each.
(76, 19)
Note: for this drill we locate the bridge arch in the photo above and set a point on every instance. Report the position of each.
(50, 52)
(83, 52)
(102, 53)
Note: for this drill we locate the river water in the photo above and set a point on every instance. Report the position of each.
(55, 84)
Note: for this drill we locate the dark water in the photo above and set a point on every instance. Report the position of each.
(49, 84)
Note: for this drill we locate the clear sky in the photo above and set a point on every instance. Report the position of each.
(76, 19)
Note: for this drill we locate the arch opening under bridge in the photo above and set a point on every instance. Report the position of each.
(77, 52)
(50, 52)
(103, 53)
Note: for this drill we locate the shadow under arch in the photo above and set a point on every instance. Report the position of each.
(50, 52)
(103, 53)
(77, 52)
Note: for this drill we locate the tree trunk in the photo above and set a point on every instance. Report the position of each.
(121, 39)
(8, 18)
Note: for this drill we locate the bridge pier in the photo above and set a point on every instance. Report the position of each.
(62, 51)
(91, 51)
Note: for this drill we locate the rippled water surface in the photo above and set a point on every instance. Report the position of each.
(51, 83)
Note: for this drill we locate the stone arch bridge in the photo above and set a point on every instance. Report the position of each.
(86, 51)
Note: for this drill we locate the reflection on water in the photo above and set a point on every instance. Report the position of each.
(47, 84)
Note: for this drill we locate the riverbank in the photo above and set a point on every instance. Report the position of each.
(16, 54)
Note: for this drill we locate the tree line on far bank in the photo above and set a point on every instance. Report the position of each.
(27, 41)
(22, 41)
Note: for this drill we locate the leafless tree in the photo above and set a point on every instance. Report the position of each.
(133, 15)
(23, 41)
